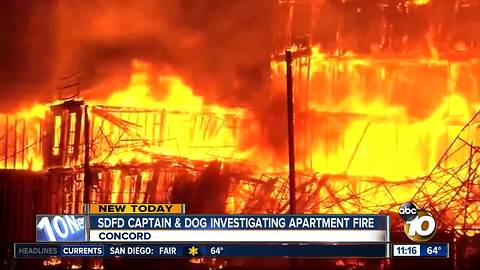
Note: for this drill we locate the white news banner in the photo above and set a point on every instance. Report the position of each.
(337, 236)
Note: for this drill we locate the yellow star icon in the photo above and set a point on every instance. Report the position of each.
(193, 251)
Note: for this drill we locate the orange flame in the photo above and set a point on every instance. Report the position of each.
(348, 122)
(421, 2)
(361, 133)
(190, 128)
(362, 147)
(20, 138)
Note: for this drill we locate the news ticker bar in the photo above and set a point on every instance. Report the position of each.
(42, 250)
(364, 250)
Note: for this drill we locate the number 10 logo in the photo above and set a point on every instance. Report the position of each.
(419, 224)
(60, 228)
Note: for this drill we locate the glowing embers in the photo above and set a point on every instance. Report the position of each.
(420, 2)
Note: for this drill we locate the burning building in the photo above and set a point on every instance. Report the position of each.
(386, 101)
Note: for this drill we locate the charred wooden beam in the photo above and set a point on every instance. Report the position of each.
(138, 187)
(24, 142)
(6, 141)
(15, 143)
(291, 133)
(86, 165)
(78, 128)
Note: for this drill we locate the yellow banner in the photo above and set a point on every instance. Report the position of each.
(136, 208)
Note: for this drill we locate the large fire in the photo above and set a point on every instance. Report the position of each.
(355, 117)
(354, 121)
(383, 95)
(358, 134)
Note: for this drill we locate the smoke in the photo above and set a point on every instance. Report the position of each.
(26, 52)
(220, 48)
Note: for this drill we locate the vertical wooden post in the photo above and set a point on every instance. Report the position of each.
(121, 191)
(145, 133)
(24, 142)
(138, 187)
(162, 125)
(42, 141)
(15, 143)
(6, 141)
(152, 187)
(291, 133)
(77, 135)
(154, 125)
(86, 165)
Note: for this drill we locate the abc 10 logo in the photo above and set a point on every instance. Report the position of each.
(419, 225)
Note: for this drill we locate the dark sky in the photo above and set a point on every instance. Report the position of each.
(221, 48)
